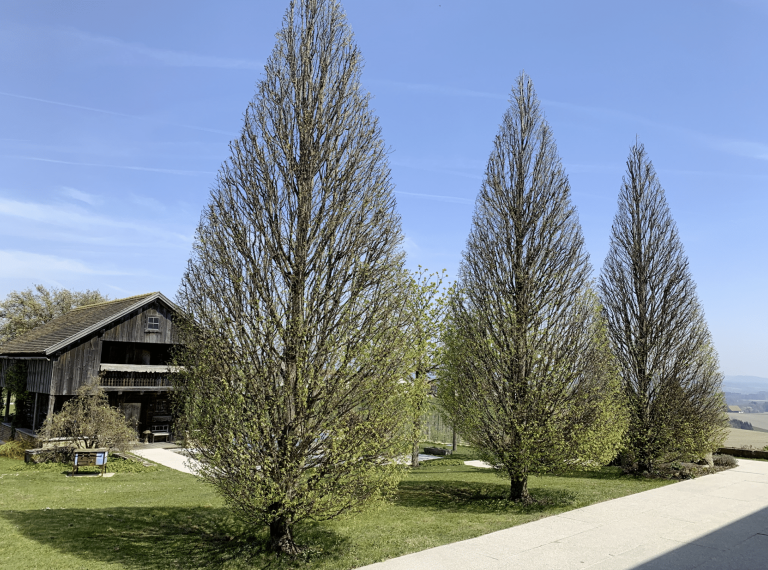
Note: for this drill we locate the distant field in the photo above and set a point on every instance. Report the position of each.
(743, 437)
(757, 420)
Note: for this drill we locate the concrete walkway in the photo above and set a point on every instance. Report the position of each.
(715, 522)
(168, 458)
(186, 465)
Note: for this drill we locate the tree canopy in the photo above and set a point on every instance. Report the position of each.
(669, 366)
(87, 420)
(529, 377)
(22, 311)
(295, 348)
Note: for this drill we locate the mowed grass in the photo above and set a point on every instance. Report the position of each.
(156, 518)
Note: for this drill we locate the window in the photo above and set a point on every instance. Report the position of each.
(153, 324)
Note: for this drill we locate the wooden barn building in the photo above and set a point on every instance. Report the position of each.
(125, 344)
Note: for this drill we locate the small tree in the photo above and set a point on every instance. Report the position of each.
(669, 366)
(87, 420)
(529, 378)
(295, 351)
(427, 306)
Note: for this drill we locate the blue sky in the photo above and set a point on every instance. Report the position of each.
(115, 116)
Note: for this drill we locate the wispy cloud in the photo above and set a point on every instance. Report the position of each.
(79, 225)
(76, 194)
(574, 168)
(120, 289)
(147, 202)
(39, 266)
(130, 51)
(114, 113)
(437, 197)
(410, 246)
(473, 169)
(431, 88)
(748, 149)
(120, 166)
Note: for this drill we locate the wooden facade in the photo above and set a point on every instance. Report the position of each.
(127, 352)
(39, 376)
(134, 328)
(76, 366)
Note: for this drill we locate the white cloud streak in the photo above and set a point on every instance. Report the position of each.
(437, 197)
(47, 267)
(79, 225)
(114, 113)
(747, 149)
(120, 166)
(76, 194)
(431, 88)
(128, 52)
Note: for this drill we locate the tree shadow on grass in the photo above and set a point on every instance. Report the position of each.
(164, 538)
(477, 497)
(605, 473)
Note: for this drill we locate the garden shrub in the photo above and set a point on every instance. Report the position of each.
(13, 450)
(725, 460)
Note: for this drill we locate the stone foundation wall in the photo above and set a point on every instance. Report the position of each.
(5, 432)
(753, 453)
(29, 440)
(27, 437)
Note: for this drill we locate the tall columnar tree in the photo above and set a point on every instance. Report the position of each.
(293, 382)
(529, 378)
(668, 364)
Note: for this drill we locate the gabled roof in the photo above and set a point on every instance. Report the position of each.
(77, 323)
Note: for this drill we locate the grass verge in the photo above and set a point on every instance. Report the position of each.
(156, 518)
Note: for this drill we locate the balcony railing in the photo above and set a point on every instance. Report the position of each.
(137, 381)
(125, 379)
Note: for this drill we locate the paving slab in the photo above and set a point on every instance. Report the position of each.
(715, 522)
(169, 459)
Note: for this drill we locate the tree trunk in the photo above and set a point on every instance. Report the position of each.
(7, 404)
(415, 454)
(645, 463)
(518, 490)
(453, 447)
(281, 537)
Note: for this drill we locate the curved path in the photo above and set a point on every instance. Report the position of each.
(169, 459)
(715, 522)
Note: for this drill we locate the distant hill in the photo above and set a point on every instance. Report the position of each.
(745, 384)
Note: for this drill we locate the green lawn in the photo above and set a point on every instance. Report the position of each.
(156, 518)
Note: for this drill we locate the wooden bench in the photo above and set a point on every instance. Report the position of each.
(160, 430)
(90, 458)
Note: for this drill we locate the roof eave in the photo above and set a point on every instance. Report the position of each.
(101, 324)
(39, 355)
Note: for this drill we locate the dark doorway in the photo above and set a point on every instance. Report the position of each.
(132, 413)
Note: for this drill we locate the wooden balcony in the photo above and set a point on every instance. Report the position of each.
(135, 378)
